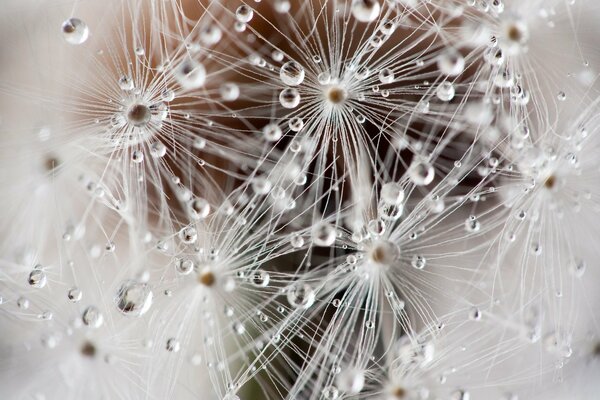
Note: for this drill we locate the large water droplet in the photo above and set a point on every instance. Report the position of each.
(75, 31)
(291, 73)
(301, 295)
(134, 298)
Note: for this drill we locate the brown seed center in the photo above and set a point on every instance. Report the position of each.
(207, 278)
(51, 163)
(336, 95)
(88, 350)
(550, 182)
(399, 392)
(515, 34)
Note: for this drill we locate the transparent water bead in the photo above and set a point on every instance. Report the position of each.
(296, 241)
(330, 393)
(190, 74)
(229, 91)
(184, 266)
(37, 278)
(134, 298)
(173, 345)
(475, 314)
(92, 317)
(261, 278)
(418, 262)
(386, 76)
(445, 91)
(421, 173)
(188, 235)
(272, 132)
(74, 294)
(158, 149)
(289, 98)
(296, 124)
(365, 10)
(450, 62)
(75, 31)
(126, 83)
(291, 73)
(323, 234)
(392, 193)
(244, 13)
(351, 381)
(199, 208)
(210, 35)
(301, 295)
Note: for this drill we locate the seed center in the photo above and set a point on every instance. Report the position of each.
(336, 95)
(88, 350)
(207, 278)
(550, 182)
(399, 392)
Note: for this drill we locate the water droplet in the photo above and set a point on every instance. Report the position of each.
(184, 266)
(474, 314)
(74, 294)
(386, 76)
(37, 278)
(351, 381)
(418, 262)
(190, 74)
(244, 13)
(92, 317)
(450, 62)
(198, 208)
(445, 91)
(291, 73)
(126, 83)
(272, 132)
(158, 149)
(323, 234)
(75, 31)
(229, 91)
(365, 10)
(173, 345)
(261, 278)
(133, 298)
(188, 235)
(392, 193)
(301, 295)
(421, 173)
(289, 98)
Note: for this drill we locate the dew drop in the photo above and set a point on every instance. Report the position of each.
(190, 74)
(301, 295)
(323, 234)
(75, 31)
(421, 173)
(365, 10)
(445, 91)
(37, 278)
(74, 294)
(351, 381)
(244, 13)
(272, 132)
(291, 73)
(173, 345)
(289, 98)
(92, 317)
(133, 298)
